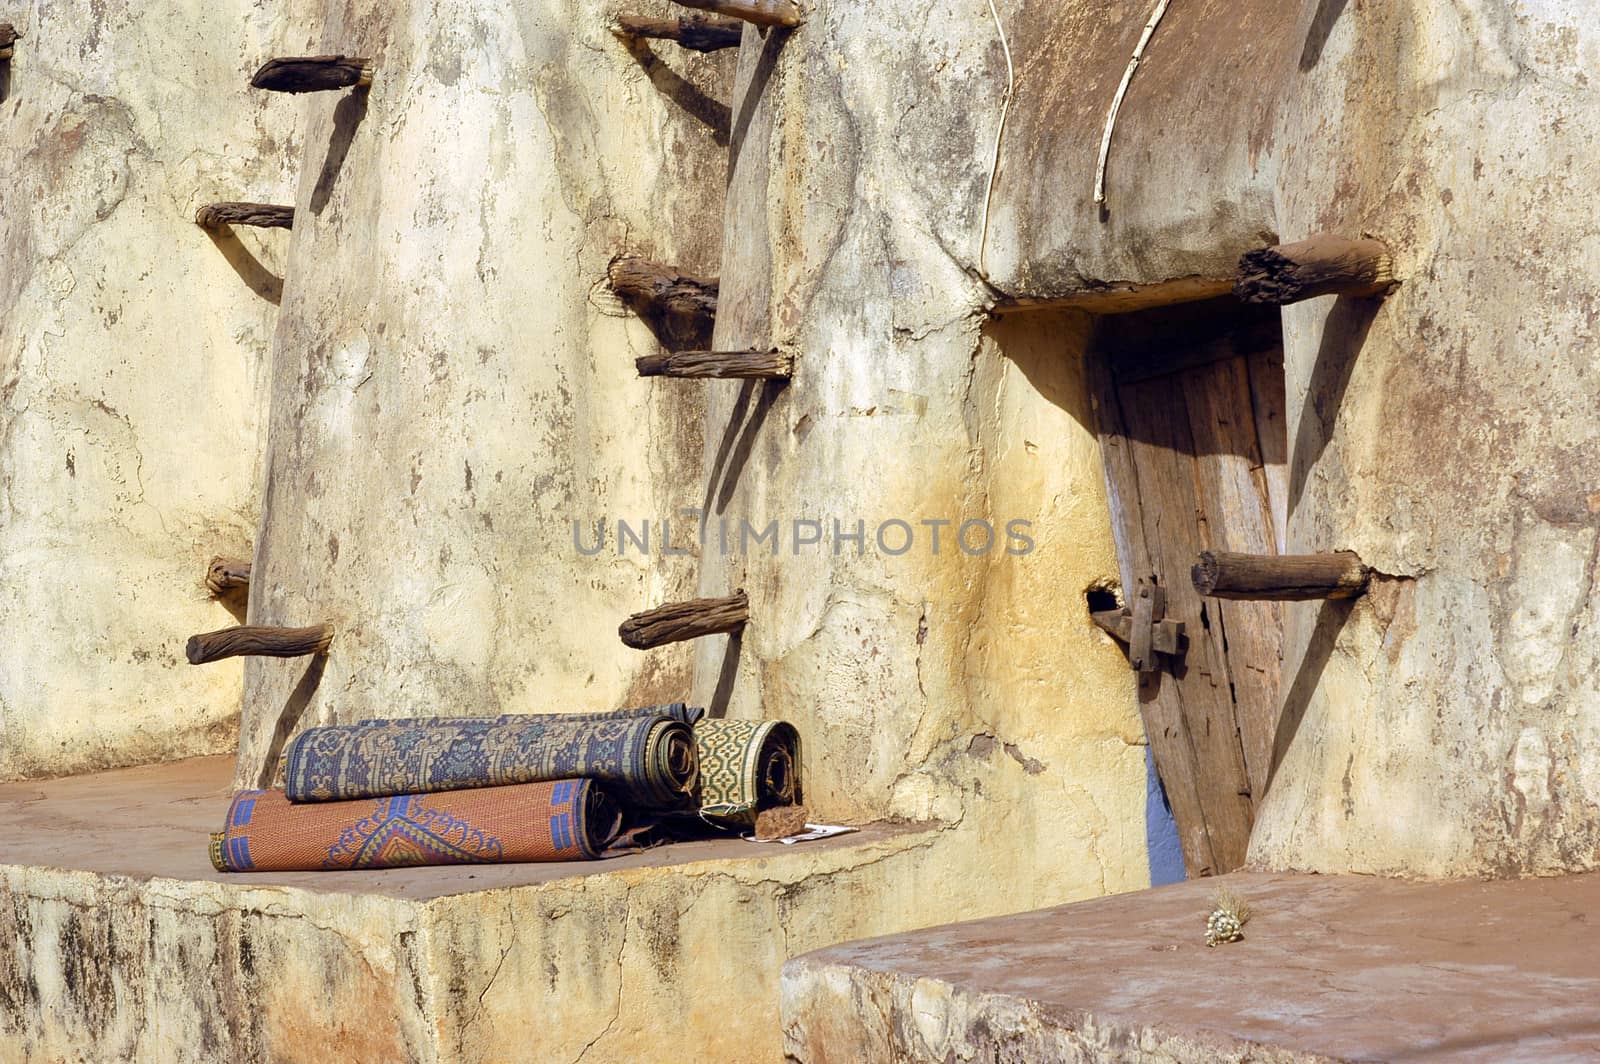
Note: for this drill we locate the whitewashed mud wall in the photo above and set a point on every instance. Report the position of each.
(133, 355)
(1447, 725)
(452, 388)
(453, 382)
(959, 685)
(1440, 726)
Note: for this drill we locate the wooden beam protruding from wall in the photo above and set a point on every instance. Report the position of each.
(259, 641)
(1280, 577)
(677, 621)
(758, 12)
(1323, 265)
(313, 73)
(697, 33)
(227, 574)
(8, 39)
(736, 365)
(234, 212)
(680, 309)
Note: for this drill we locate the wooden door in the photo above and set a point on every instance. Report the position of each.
(1190, 408)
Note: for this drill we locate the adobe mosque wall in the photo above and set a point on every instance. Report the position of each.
(134, 358)
(1447, 723)
(1439, 725)
(453, 381)
(445, 412)
(451, 385)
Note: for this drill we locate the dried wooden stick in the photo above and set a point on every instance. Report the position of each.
(258, 640)
(234, 212)
(742, 365)
(227, 574)
(696, 32)
(670, 301)
(758, 12)
(677, 621)
(313, 73)
(1323, 265)
(1280, 577)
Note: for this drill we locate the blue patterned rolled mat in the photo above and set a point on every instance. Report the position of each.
(678, 711)
(647, 761)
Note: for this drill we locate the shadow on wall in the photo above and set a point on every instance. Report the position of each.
(766, 63)
(262, 281)
(1344, 332)
(726, 676)
(289, 718)
(346, 119)
(715, 115)
(1328, 12)
(749, 413)
(1047, 348)
(1331, 617)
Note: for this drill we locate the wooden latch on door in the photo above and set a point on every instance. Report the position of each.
(1145, 627)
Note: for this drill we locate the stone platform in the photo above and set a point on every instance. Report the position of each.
(1331, 968)
(118, 942)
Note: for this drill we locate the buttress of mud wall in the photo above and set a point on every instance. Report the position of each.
(453, 384)
(132, 368)
(1446, 724)
(967, 688)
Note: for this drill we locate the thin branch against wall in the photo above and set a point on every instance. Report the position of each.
(1116, 103)
(994, 165)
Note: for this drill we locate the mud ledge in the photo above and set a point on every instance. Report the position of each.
(121, 942)
(1331, 968)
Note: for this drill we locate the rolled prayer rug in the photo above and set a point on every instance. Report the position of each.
(746, 766)
(560, 820)
(646, 761)
(678, 711)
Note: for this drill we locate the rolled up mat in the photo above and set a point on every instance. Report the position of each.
(746, 766)
(560, 820)
(678, 711)
(644, 761)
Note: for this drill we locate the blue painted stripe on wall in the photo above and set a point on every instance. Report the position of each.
(1160, 830)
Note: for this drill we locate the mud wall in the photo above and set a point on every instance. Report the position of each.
(1445, 725)
(1437, 727)
(958, 681)
(133, 354)
(453, 382)
(444, 412)
(451, 385)
(606, 966)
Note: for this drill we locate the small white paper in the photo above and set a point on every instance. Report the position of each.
(813, 831)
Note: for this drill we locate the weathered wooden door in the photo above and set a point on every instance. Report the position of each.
(1190, 408)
